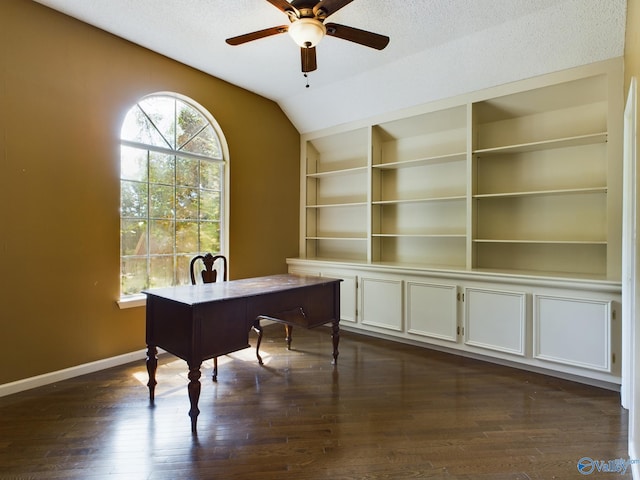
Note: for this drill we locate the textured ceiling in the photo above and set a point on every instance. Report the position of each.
(438, 48)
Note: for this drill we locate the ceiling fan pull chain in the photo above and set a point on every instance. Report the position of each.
(307, 77)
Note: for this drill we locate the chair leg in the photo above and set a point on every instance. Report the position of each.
(214, 377)
(287, 331)
(258, 329)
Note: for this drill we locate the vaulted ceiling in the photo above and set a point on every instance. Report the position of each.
(438, 48)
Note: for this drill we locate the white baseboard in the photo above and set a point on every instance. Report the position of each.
(53, 377)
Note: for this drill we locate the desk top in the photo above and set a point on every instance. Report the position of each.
(246, 287)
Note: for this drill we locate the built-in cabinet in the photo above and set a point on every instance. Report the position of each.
(421, 211)
(567, 327)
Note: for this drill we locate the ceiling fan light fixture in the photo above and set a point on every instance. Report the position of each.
(307, 32)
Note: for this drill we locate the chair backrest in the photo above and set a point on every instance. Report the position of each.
(209, 274)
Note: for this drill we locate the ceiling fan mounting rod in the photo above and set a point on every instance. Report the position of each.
(306, 13)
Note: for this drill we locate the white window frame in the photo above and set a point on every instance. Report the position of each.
(139, 300)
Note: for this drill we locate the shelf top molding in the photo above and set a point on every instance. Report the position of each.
(511, 277)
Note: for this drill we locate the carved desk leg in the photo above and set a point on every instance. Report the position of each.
(194, 393)
(335, 336)
(152, 365)
(258, 329)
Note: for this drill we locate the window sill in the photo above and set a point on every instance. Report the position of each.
(132, 301)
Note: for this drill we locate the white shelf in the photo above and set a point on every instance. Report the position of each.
(573, 141)
(420, 200)
(338, 172)
(419, 162)
(338, 205)
(350, 239)
(547, 242)
(425, 235)
(564, 191)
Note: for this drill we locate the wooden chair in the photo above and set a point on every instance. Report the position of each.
(211, 274)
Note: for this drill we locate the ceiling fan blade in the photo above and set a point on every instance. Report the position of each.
(308, 56)
(363, 37)
(283, 6)
(330, 6)
(248, 37)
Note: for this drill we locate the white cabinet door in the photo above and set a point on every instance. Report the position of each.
(496, 320)
(382, 303)
(573, 331)
(432, 310)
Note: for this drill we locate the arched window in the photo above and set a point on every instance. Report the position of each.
(172, 199)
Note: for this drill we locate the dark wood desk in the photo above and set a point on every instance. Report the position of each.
(199, 322)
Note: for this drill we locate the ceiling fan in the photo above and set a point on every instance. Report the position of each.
(307, 28)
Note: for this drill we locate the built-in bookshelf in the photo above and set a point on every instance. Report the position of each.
(513, 179)
(337, 185)
(540, 179)
(419, 189)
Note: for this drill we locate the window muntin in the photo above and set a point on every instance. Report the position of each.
(172, 180)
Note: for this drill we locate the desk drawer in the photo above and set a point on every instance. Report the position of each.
(306, 307)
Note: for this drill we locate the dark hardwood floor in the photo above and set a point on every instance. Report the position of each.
(388, 411)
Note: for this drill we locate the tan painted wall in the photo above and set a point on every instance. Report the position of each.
(64, 89)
